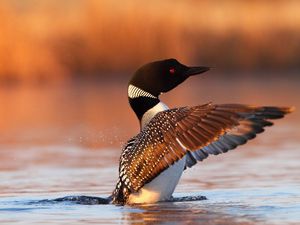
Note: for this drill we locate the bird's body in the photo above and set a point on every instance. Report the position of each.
(162, 187)
(171, 140)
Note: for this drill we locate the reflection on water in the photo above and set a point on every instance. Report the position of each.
(98, 115)
(188, 213)
(235, 206)
(58, 141)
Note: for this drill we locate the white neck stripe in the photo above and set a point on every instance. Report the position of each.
(135, 92)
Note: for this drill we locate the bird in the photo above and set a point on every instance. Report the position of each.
(172, 140)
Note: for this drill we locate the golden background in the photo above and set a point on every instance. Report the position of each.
(54, 40)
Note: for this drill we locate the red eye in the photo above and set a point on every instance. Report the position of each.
(172, 71)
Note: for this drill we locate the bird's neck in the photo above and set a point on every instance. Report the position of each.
(150, 113)
(144, 104)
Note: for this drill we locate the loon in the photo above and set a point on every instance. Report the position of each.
(172, 140)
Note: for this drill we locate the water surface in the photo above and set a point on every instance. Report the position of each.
(66, 140)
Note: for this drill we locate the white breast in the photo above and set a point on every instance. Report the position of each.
(162, 187)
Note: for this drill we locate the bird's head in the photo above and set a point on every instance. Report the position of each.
(162, 76)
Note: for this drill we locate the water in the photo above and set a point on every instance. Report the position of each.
(52, 145)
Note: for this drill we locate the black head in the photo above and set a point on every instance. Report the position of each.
(162, 76)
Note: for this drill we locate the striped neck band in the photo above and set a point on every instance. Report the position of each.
(135, 92)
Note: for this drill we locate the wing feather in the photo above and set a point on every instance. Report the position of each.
(251, 121)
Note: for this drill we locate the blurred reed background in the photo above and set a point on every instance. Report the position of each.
(53, 40)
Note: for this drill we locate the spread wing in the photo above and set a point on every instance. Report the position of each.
(193, 131)
(251, 121)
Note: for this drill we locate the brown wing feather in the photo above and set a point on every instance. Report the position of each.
(251, 121)
(192, 131)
